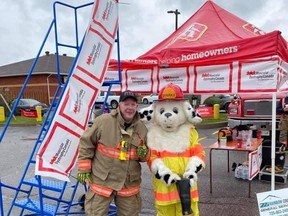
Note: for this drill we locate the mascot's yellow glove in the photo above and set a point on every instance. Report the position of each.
(82, 177)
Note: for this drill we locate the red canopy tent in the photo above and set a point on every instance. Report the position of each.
(213, 34)
(212, 47)
(214, 51)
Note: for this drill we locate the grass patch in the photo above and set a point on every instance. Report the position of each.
(25, 120)
(222, 118)
(22, 120)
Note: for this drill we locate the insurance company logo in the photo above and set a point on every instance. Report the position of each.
(173, 78)
(107, 10)
(169, 77)
(251, 28)
(260, 75)
(138, 80)
(108, 79)
(62, 151)
(94, 54)
(193, 32)
(78, 103)
(213, 77)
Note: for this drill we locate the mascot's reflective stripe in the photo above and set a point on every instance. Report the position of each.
(171, 197)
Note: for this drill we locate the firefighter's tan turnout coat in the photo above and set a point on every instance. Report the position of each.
(109, 153)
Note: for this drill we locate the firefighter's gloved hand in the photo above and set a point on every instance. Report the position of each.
(142, 151)
(82, 177)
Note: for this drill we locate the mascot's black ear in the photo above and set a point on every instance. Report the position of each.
(146, 114)
(191, 114)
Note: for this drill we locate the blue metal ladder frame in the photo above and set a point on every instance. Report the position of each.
(61, 205)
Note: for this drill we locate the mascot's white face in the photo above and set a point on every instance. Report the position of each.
(170, 114)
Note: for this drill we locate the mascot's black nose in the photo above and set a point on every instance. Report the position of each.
(168, 115)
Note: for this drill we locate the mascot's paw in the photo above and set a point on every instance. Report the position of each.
(192, 181)
(192, 176)
(169, 178)
(146, 114)
(195, 165)
(164, 173)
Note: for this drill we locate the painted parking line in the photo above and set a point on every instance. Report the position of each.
(201, 138)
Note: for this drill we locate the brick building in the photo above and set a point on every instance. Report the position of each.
(42, 82)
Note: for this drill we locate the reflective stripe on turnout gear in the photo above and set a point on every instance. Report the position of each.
(115, 153)
(84, 165)
(173, 196)
(105, 191)
(129, 192)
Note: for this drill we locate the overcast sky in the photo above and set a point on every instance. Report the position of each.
(142, 23)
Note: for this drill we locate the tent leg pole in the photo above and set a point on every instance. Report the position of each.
(273, 138)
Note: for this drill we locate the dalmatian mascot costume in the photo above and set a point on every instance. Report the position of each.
(176, 156)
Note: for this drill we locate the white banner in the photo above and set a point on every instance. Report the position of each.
(143, 79)
(260, 75)
(59, 150)
(178, 76)
(255, 160)
(213, 78)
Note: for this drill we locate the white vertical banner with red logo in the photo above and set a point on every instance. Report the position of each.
(59, 149)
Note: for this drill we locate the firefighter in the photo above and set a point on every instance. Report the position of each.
(109, 155)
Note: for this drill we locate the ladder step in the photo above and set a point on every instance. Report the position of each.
(34, 206)
(47, 184)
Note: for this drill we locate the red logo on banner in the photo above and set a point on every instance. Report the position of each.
(249, 73)
(107, 11)
(170, 77)
(89, 59)
(205, 75)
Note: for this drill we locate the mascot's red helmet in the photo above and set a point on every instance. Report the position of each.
(171, 92)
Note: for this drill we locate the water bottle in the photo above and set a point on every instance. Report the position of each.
(223, 141)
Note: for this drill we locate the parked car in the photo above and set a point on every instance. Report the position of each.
(149, 98)
(112, 99)
(222, 99)
(28, 104)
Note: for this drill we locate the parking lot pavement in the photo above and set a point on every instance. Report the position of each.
(229, 197)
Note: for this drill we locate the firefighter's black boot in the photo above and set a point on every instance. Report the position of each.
(183, 187)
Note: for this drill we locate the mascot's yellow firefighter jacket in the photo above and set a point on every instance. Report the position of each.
(175, 161)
